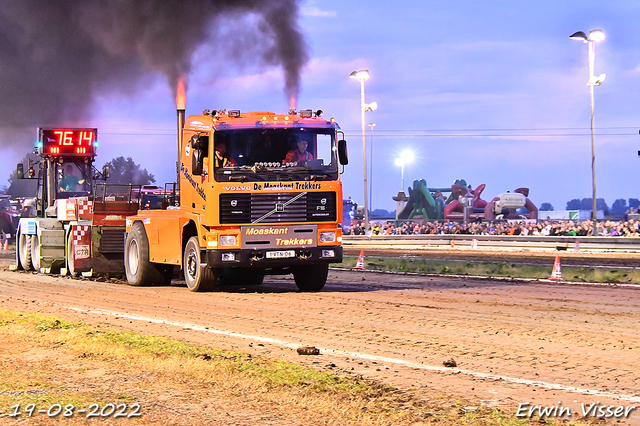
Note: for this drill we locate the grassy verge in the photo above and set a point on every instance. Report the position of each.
(494, 269)
(46, 361)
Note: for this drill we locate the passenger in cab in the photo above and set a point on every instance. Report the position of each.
(298, 155)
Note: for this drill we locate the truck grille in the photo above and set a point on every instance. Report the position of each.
(249, 208)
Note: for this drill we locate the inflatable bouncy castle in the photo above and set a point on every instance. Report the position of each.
(431, 204)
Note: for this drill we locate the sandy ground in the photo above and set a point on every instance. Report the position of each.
(542, 343)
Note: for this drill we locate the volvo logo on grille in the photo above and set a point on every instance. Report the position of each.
(234, 203)
(323, 201)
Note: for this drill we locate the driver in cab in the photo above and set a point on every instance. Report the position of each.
(221, 158)
(69, 182)
(298, 155)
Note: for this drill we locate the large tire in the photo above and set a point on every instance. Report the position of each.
(198, 276)
(139, 270)
(241, 276)
(24, 251)
(35, 252)
(69, 254)
(311, 277)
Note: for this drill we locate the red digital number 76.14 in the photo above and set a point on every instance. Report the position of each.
(64, 137)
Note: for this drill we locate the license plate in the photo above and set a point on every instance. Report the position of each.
(280, 254)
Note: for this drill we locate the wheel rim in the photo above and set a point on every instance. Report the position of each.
(134, 257)
(192, 264)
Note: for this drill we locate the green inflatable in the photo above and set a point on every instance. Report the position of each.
(422, 203)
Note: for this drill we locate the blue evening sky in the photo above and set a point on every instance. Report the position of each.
(492, 92)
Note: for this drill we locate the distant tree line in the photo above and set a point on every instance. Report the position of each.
(619, 207)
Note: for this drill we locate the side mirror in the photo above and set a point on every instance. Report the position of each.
(196, 162)
(20, 171)
(106, 172)
(197, 141)
(199, 145)
(342, 152)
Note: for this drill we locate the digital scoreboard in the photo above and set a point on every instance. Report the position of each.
(68, 142)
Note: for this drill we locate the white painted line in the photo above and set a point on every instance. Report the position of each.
(539, 384)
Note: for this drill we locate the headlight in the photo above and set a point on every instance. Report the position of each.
(227, 240)
(328, 237)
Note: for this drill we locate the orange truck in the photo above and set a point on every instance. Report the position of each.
(259, 193)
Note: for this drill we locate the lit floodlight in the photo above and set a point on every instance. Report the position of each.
(370, 107)
(360, 75)
(596, 35)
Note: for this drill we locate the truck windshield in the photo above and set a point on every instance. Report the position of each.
(274, 154)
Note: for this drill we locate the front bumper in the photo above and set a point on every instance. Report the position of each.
(258, 258)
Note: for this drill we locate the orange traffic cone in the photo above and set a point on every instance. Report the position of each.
(556, 274)
(360, 262)
(453, 244)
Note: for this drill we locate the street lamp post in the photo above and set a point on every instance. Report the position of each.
(371, 126)
(594, 35)
(363, 75)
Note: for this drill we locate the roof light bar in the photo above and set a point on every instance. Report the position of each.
(306, 113)
(234, 113)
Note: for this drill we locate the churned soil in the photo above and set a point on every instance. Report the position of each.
(488, 343)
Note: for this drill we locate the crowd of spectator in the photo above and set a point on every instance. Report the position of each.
(628, 228)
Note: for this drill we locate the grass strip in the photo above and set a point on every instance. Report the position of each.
(493, 269)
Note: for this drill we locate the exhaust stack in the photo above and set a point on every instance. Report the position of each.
(180, 105)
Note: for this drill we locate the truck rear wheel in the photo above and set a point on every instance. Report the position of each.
(311, 277)
(24, 251)
(198, 276)
(139, 270)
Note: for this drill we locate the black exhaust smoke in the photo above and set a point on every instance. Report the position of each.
(57, 56)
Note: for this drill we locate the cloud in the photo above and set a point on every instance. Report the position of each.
(314, 12)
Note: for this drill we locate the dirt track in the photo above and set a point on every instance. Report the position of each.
(513, 342)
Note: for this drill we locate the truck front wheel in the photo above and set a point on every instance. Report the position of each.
(140, 271)
(198, 276)
(311, 277)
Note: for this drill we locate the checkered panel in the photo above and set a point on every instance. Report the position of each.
(85, 208)
(81, 233)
